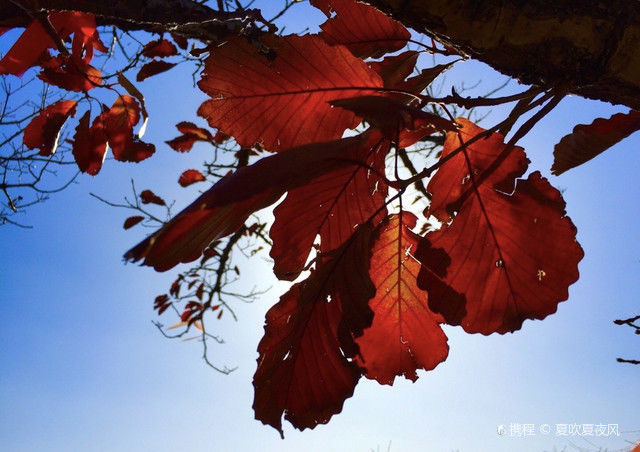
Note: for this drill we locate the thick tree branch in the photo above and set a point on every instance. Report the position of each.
(588, 48)
(188, 18)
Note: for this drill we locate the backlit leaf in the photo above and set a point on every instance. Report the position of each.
(405, 334)
(90, 145)
(190, 176)
(44, 130)
(512, 250)
(305, 369)
(363, 29)
(589, 141)
(282, 99)
(223, 208)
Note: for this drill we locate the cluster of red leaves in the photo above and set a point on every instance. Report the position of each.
(71, 71)
(377, 291)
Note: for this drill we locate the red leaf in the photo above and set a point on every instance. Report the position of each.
(132, 221)
(405, 334)
(390, 115)
(513, 256)
(149, 197)
(43, 130)
(152, 68)
(303, 368)
(90, 145)
(394, 69)
(281, 101)
(118, 122)
(588, 141)
(452, 183)
(363, 29)
(181, 41)
(223, 208)
(71, 74)
(191, 177)
(192, 133)
(159, 48)
(27, 50)
(331, 206)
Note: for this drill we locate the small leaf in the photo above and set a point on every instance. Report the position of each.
(159, 48)
(152, 68)
(191, 177)
(43, 130)
(89, 145)
(363, 29)
(132, 221)
(147, 197)
(588, 141)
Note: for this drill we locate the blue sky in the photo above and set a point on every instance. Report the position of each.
(83, 368)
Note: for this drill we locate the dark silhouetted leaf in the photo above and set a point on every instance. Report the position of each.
(152, 68)
(43, 130)
(390, 115)
(281, 101)
(304, 368)
(132, 221)
(588, 141)
(191, 176)
(149, 197)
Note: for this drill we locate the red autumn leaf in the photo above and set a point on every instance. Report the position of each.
(89, 145)
(182, 42)
(588, 141)
(391, 115)
(452, 184)
(70, 73)
(152, 68)
(394, 69)
(26, 51)
(191, 177)
(331, 206)
(149, 197)
(363, 29)
(304, 370)
(43, 130)
(159, 48)
(223, 208)
(512, 256)
(132, 221)
(191, 134)
(281, 100)
(405, 334)
(118, 124)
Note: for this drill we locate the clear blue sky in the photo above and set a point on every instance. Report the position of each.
(83, 368)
